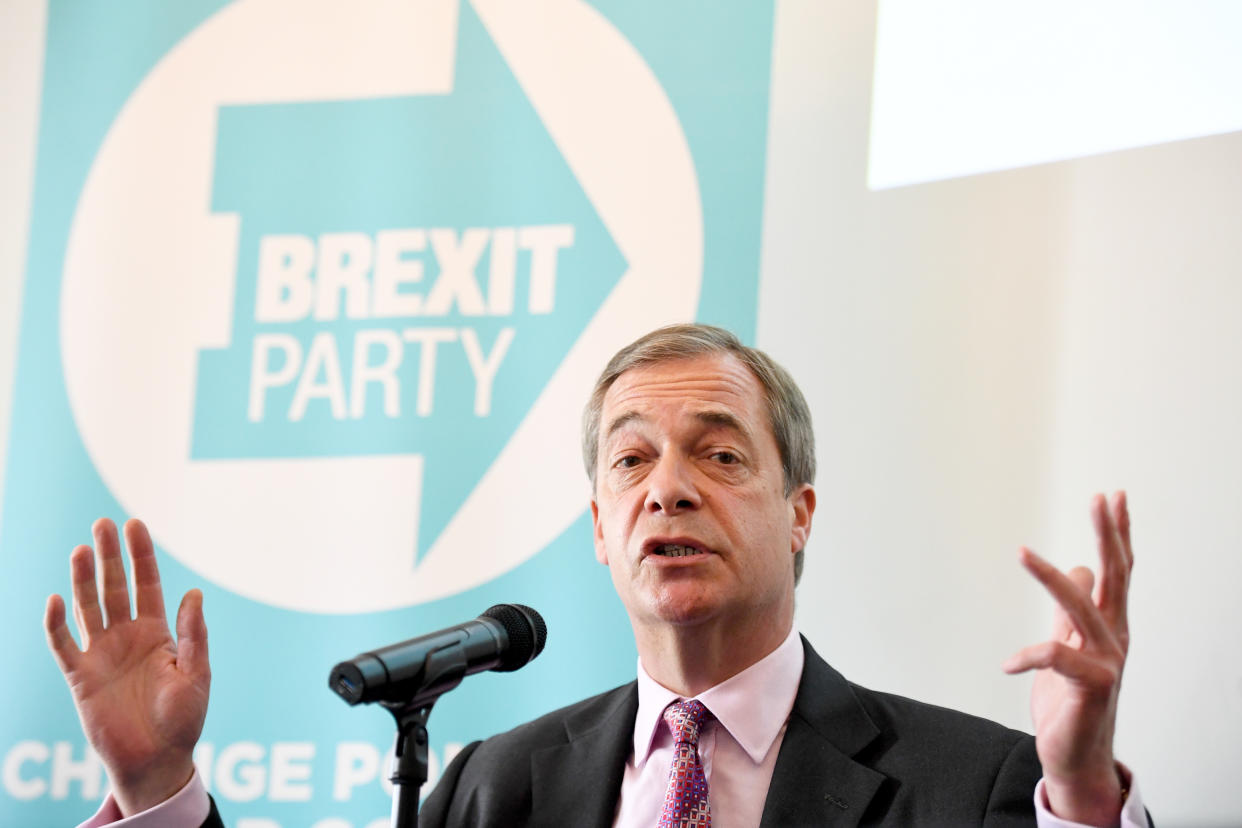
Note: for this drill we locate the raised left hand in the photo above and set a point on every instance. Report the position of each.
(1074, 696)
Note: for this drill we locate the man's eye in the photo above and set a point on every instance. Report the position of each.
(726, 457)
(627, 462)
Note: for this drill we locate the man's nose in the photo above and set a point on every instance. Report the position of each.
(670, 486)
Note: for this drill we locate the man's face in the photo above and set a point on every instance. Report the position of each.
(690, 510)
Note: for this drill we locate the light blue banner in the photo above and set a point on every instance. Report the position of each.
(318, 292)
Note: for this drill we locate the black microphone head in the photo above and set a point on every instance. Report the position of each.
(527, 634)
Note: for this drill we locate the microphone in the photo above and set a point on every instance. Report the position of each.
(418, 671)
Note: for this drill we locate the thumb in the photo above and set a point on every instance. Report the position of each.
(192, 637)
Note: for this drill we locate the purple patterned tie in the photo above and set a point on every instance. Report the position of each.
(685, 801)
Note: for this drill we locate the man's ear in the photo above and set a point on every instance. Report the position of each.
(601, 554)
(802, 508)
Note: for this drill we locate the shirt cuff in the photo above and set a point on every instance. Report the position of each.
(1133, 814)
(187, 808)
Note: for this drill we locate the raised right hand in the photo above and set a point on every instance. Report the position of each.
(142, 697)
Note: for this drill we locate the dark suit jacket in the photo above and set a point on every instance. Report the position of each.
(850, 756)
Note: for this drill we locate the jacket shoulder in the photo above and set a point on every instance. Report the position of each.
(492, 782)
(558, 726)
(942, 761)
(951, 730)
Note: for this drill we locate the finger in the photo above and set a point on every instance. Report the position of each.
(59, 641)
(85, 594)
(1114, 568)
(1062, 627)
(1121, 607)
(148, 594)
(115, 590)
(192, 636)
(1083, 578)
(1061, 659)
(1082, 612)
(1121, 516)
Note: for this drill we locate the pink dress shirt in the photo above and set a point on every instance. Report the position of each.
(738, 746)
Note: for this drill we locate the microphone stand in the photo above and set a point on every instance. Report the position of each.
(410, 770)
(443, 670)
(408, 689)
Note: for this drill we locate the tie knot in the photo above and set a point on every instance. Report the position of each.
(684, 719)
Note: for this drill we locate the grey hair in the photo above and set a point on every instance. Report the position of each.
(788, 413)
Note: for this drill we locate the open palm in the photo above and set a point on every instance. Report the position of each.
(142, 697)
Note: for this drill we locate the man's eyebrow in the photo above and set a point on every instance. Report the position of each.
(723, 419)
(621, 422)
(719, 419)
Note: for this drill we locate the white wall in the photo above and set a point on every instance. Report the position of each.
(1149, 395)
(983, 353)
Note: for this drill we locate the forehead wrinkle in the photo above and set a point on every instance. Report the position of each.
(722, 377)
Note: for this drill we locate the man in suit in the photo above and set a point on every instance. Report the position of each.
(701, 458)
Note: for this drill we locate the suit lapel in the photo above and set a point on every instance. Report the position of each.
(579, 782)
(815, 780)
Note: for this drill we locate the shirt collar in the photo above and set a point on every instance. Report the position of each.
(752, 706)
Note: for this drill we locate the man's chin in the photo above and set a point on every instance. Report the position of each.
(685, 605)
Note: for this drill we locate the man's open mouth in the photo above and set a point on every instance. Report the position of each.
(674, 550)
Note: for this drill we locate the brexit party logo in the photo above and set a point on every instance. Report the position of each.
(341, 276)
